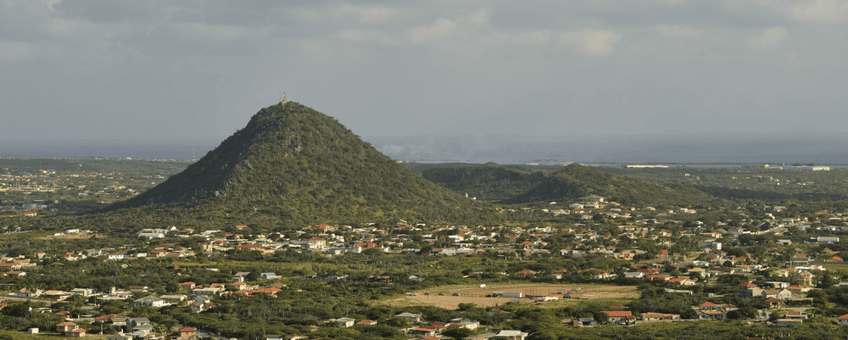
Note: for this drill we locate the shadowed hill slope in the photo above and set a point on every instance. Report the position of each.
(576, 181)
(294, 165)
(488, 182)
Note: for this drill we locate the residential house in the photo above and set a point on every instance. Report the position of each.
(77, 333)
(85, 292)
(748, 289)
(584, 322)
(367, 322)
(464, 323)
(621, 317)
(174, 298)
(120, 336)
(151, 301)
(660, 317)
(794, 314)
(505, 334)
(240, 276)
(66, 327)
(789, 322)
(712, 315)
(634, 275)
(780, 294)
(682, 281)
(268, 276)
(316, 243)
(186, 333)
(135, 322)
(344, 322)
(409, 317)
(210, 291)
(187, 286)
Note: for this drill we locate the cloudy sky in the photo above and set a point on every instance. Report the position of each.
(401, 72)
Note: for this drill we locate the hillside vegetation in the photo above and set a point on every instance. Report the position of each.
(293, 165)
(489, 182)
(576, 181)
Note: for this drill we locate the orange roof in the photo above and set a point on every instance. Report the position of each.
(618, 313)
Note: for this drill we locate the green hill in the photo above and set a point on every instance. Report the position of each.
(488, 182)
(576, 181)
(293, 165)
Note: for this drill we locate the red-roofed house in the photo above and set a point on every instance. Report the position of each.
(747, 289)
(682, 281)
(619, 316)
(66, 327)
(186, 333)
(707, 306)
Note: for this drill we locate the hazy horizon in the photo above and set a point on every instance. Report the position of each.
(819, 149)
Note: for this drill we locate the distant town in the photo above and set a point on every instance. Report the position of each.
(778, 266)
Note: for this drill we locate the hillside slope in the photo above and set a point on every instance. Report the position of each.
(294, 165)
(576, 181)
(488, 182)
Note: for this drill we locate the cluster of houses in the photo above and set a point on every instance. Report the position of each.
(678, 270)
(138, 328)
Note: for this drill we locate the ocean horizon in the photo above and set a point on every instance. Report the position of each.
(720, 149)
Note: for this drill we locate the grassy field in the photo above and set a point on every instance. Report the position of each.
(450, 297)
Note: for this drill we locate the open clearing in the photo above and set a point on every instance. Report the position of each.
(478, 296)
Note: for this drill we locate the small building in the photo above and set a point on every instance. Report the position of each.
(188, 332)
(660, 317)
(506, 334)
(619, 316)
(120, 336)
(268, 276)
(66, 327)
(151, 301)
(789, 322)
(409, 317)
(316, 243)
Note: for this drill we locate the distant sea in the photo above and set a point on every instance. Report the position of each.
(717, 149)
(135, 149)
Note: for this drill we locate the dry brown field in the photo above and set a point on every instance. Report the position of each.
(478, 295)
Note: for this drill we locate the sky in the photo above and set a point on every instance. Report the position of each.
(418, 78)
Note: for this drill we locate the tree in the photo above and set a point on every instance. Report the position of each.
(600, 317)
(826, 281)
(458, 332)
(19, 309)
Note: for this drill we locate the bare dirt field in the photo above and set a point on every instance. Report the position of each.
(454, 295)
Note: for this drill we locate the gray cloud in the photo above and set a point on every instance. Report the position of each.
(539, 69)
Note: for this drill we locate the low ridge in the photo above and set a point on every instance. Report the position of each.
(576, 181)
(293, 164)
(488, 182)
